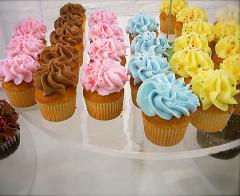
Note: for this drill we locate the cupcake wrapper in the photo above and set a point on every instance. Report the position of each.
(10, 146)
(134, 91)
(164, 23)
(23, 98)
(105, 111)
(178, 29)
(165, 135)
(210, 122)
(237, 107)
(58, 111)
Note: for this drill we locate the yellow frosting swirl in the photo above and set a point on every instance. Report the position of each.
(227, 46)
(215, 87)
(194, 40)
(199, 26)
(227, 27)
(189, 61)
(232, 65)
(190, 14)
(177, 5)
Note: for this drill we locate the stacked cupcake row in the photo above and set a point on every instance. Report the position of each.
(104, 77)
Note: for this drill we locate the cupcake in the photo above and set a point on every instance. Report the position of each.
(69, 35)
(231, 65)
(188, 62)
(9, 130)
(143, 66)
(55, 90)
(186, 15)
(140, 24)
(148, 41)
(216, 90)
(16, 74)
(177, 5)
(102, 16)
(167, 105)
(225, 47)
(108, 48)
(194, 40)
(103, 88)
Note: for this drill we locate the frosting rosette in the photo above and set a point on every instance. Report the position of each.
(215, 87)
(30, 26)
(104, 77)
(148, 41)
(190, 14)
(177, 5)
(140, 24)
(165, 96)
(189, 61)
(18, 69)
(145, 65)
(72, 8)
(227, 46)
(107, 48)
(69, 20)
(227, 27)
(28, 45)
(200, 27)
(232, 65)
(228, 12)
(192, 39)
(102, 16)
(103, 30)
(54, 77)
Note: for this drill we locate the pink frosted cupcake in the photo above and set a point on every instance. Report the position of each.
(103, 88)
(16, 74)
(108, 48)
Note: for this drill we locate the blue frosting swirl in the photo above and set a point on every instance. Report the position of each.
(141, 23)
(167, 97)
(148, 41)
(145, 65)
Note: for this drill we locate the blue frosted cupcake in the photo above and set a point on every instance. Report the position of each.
(140, 24)
(143, 66)
(167, 104)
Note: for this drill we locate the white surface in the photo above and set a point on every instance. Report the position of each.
(63, 168)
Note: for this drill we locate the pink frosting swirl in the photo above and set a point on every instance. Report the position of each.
(32, 27)
(18, 68)
(28, 45)
(102, 16)
(107, 48)
(105, 77)
(103, 30)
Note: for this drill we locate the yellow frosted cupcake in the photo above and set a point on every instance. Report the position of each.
(186, 15)
(193, 39)
(216, 90)
(177, 5)
(189, 61)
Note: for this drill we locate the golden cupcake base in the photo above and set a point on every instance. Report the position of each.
(134, 90)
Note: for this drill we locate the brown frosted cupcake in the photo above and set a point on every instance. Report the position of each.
(17, 75)
(56, 90)
(9, 130)
(216, 103)
(167, 105)
(103, 88)
(69, 35)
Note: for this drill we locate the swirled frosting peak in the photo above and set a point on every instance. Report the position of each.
(177, 5)
(74, 9)
(104, 77)
(193, 39)
(54, 77)
(69, 20)
(107, 48)
(140, 24)
(189, 61)
(102, 16)
(18, 69)
(215, 87)
(145, 65)
(165, 96)
(190, 14)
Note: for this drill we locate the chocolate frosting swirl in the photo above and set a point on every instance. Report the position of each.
(66, 35)
(69, 20)
(54, 77)
(75, 9)
(65, 53)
